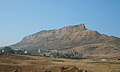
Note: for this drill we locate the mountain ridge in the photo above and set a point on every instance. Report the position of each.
(71, 37)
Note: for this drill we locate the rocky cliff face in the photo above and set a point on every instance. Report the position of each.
(71, 37)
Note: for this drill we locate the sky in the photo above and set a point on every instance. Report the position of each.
(19, 18)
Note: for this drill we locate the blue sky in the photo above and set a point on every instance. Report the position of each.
(19, 18)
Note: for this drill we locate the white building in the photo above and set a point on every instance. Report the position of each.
(39, 51)
(25, 52)
(104, 60)
(3, 50)
(16, 49)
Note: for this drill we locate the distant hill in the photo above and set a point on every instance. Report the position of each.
(77, 37)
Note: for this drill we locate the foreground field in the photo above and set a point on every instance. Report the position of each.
(21, 63)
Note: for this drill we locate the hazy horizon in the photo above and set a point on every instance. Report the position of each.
(21, 18)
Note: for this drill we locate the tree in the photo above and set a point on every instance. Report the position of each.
(8, 50)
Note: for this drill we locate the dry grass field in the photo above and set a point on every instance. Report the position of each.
(22, 63)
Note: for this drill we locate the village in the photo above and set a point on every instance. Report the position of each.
(53, 54)
(46, 53)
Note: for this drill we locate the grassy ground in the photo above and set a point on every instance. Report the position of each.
(17, 63)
